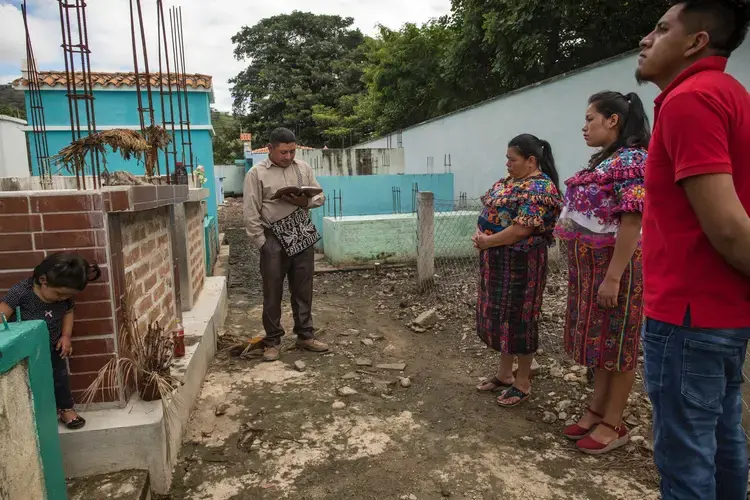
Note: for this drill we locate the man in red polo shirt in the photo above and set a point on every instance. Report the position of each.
(696, 249)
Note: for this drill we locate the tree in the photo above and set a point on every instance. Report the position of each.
(506, 44)
(404, 75)
(227, 144)
(297, 61)
(12, 102)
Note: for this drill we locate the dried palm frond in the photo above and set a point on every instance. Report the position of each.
(237, 344)
(129, 143)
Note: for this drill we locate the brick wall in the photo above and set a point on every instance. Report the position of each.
(196, 247)
(33, 226)
(147, 263)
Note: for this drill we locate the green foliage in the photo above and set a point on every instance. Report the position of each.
(297, 61)
(334, 86)
(12, 102)
(227, 145)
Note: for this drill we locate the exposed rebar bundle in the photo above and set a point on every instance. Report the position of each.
(36, 116)
(79, 92)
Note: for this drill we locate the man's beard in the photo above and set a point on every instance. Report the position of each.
(639, 78)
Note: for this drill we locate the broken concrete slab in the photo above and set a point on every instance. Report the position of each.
(392, 366)
(363, 362)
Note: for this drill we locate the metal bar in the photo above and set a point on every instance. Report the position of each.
(184, 87)
(175, 57)
(88, 90)
(135, 69)
(37, 118)
(161, 34)
(69, 83)
(149, 96)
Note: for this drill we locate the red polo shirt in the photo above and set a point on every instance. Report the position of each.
(702, 126)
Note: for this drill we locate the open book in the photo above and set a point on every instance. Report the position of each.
(308, 191)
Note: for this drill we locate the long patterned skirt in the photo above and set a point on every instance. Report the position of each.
(511, 287)
(607, 339)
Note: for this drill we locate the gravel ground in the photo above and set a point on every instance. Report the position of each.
(348, 426)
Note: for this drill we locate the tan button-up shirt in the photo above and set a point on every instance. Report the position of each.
(261, 183)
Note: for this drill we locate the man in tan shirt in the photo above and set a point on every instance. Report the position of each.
(288, 216)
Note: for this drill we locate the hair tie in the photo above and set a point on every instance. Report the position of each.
(93, 272)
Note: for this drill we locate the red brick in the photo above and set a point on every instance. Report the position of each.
(165, 270)
(93, 310)
(144, 305)
(71, 203)
(156, 262)
(94, 292)
(149, 283)
(14, 205)
(132, 256)
(15, 242)
(104, 278)
(163, 240)
(65, 239)
(20, 260)
(82, 328)
(147, 247)
(88, 364)
(155, 316)
(92, 255)
(67, 222)
(10, 278)
(101, 238)
(143, 193)
(93, 346)
(20, 223)
(118, 201)
(141, 271)
(82, 381)
(159, 291)
(107, 395)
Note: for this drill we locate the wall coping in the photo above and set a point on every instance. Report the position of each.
(118, 198)
(198, 194)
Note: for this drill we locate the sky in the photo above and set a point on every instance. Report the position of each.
(208, 26)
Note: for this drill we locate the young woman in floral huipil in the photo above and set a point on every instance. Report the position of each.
(601, 224)
(514, 231)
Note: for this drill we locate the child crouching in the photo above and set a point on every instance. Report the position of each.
(48, 296)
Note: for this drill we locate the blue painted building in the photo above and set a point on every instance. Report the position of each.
(116, 106)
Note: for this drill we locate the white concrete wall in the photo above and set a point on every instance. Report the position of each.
(350, 161)
(475, 138)
(234, 177)
(14, 161)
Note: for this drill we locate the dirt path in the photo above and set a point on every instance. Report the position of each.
(282, 433)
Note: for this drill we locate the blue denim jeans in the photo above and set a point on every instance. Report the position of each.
(693, 377)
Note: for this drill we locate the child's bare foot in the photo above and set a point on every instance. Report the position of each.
(71, 419)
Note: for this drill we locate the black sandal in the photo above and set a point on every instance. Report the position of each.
(74, 424)
(513, 392)
(499, 384)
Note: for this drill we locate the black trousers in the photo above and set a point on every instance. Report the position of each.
(61, 378)
(275, 265)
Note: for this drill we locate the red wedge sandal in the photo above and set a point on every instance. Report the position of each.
(575, 432)
(591, 446)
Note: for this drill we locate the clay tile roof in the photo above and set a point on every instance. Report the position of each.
(58, 79)
(265, 150)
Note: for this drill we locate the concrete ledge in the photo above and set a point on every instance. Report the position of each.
(135, 437)
(197, 194)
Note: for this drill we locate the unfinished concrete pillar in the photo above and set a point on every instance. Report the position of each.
(425, 239)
